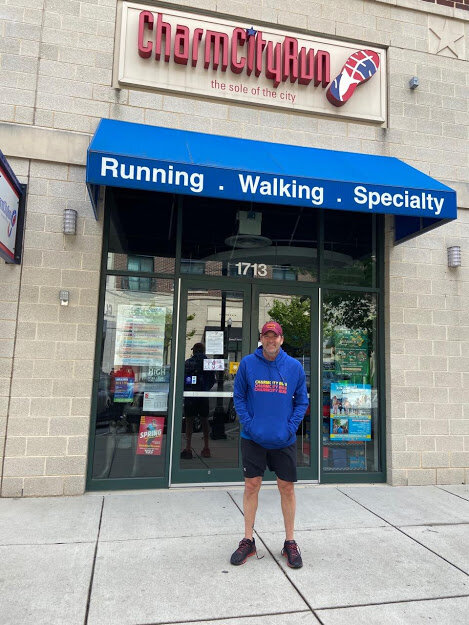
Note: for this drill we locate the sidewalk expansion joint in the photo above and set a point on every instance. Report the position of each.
(411, 537)
(224, 618)
(90, 587)
(451, 493)
(395, 601)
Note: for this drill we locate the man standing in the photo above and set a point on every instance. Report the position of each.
(271, 400)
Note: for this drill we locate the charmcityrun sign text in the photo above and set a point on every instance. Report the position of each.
(201, 55)
(254, 187)
(244, 50)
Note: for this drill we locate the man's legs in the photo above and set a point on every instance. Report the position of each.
(206, 431)
(288, 501)
(290, 548)
(251, 495)
(189, 428)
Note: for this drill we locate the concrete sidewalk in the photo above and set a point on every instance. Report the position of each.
(372, 554)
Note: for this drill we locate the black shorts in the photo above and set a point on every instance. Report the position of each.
(281, 461)
(196, 407)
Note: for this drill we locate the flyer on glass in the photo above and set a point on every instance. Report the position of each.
(350, 415)
(150, 436)
(140, 335)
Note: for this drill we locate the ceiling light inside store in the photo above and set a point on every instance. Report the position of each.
(249, 232)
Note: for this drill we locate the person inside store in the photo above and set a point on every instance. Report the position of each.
(196, 379)
(271, 400)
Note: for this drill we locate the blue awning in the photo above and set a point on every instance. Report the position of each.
(136, 156)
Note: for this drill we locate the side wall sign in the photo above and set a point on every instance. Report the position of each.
(12, 201)
(185, 53)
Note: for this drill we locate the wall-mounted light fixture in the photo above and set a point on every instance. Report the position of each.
(64, 297)
(70, 221)
(414, 82)
(454, 256)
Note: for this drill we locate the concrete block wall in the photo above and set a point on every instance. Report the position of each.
(56, 69)
(428, 360)
(52, 369)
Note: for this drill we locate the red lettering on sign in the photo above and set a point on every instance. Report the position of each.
(244, 51)
(260, 45)
(181, 45)
(214, 42)
(306, 66)
(144, 49)
(162, 28)
(322, 68)
(239, 39)
(198, 32)
(290, 59)
(273, 68)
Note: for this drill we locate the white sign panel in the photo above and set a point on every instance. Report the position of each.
(214, 364)
(182, 52)
(155, 402)
(214, 342)
(9, 204)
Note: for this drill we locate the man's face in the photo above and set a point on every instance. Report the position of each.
(271, 344)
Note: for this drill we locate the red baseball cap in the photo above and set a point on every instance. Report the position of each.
(272, 326)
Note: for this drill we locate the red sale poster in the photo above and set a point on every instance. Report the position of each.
(150, 436)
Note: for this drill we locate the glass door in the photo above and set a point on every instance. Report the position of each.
(214, 330)
(296, 309)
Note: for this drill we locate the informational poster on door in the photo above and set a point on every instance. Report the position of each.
(150, 436)
(350, 415)
(214, 342)
(351, 352)
(140, 335)
(155, 402)
(123, 389)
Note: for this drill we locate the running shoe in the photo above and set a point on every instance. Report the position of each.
(246, 549)
(359, 67)
(291, 551)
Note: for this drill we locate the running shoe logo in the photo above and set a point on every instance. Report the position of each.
(12, 223)
(359, 67)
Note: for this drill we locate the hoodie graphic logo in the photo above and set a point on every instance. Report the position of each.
(358, 68)
(270, 386)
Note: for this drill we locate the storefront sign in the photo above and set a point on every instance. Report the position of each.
(195, 54)
(150, 436)
(138, 156)
(11, 214)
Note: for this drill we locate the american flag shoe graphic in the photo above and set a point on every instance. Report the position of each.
(359, 67)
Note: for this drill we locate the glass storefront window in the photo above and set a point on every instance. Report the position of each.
(249, 240)
(142, 232)
(349, 386)
(349, 248)
(132, 406)
(213, 348)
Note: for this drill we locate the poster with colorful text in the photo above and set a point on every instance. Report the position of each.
(150, 436)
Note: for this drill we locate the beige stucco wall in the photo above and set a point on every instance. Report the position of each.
(56, 70)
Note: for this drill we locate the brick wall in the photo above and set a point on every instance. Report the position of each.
(56, 67)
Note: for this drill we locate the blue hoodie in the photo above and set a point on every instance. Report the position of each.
(270, 398)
